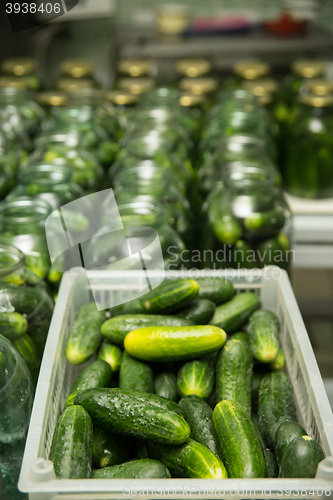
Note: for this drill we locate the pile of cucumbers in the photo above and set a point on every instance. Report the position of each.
(186, 381)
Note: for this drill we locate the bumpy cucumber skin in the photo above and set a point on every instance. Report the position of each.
(112, 354)
(117, 412)
(263, 330)
(166, 298)
(199, 311)
(134, 469)
(153, 399)
(232, 315)
(135, 375)
(85, 336)
(191, 459)
(285, 433)
(96, 374)
(301, 458)
(71, 448)
(218, 290)
(275, 404)
(115, 329)
(13, 325)
(196, 377)
(240, 336)
(240, 447)
(166, 385)
(109, 449)
(174, 343)
(234, 373)
(278, 362)
(200, 417)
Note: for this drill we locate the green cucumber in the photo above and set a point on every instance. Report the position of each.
(199, 311)
(112, 354)
(117, 412)
(115, 329)
(84, 336)
(234, 373)
(135, 374)
(270, 460)
(275, 405)
(240, 336)
(200, 417)
(176, 343)
(240, 447)
(278, 362)
(166, 385)
(258, 373)
(167, 297)
(71, 448)
(217, 290)
(285, 433)
(264, 223)
(28, 350)
(12, 325)
(196, 377)
(242, 255)
(134, 469)
(263, 330)
(153, 399)
(109, 449)
(226, 229)
(232, 315)
(301, 458)
(191, 459)
(96, 374)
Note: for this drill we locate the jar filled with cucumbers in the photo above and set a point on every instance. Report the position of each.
(24, 68)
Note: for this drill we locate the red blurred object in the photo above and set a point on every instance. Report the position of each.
(286, 25)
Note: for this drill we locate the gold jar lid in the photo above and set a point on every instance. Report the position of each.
(261, 87)
(308, 68)
(193, 68)
(251, 69)
(136, 86)
(72, 84)
(19, 66)
(121, 97)
(13, 82)
(317, 101)
(191, 100)
(52, 98)
(134, 67)
(76, 68)
(318, 87)
(198, 86)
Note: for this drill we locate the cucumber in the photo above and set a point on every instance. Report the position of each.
(136, 375)
(27, 348)
(12, 325)
(84, 336)
(232, 315)
(117, 412)
(217, 290)
(133, 469)
(112, 354)
(278, 362)
(196, 377)
(275, 404)
(199, 311)
(240, 336)
(301, 458)
(263, 330)
(115, 329)
(261, 224)
(226, 229)
(176, 343)
(96, 374)
(167, 297)
(272, 252)
(153, 399)
(200, 417)
(109, 449)
(239, 444)
(71, 448)
(166, 385)
(285, 433)
(242, 255)
(270, 460)
(258, 373)
(191, 459)
(234, 373)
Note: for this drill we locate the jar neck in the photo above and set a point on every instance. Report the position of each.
(247, 178)
(46, 176)
(12, 95)
(140, 214)
(25, 214)
(11, 260)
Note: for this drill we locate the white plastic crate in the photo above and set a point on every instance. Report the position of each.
(57, 375)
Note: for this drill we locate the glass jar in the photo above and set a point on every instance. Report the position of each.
(308, 149)
(51, 101)
(246, 70)
(22, 225)
(23, 67)
(78, 69)
(136, 86)
(135, 68)
(23, 292)
(247, 221)
(16, 396)
(124, 103)
(206, 87)
(193, 68)
(67, 84)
